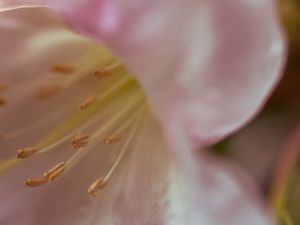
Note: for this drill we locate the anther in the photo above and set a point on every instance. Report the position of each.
(23, 153)
(101, 72)
(62, 69)
(79, 140)
(96, 186)
(2, 135)
(87, 102)
(56, 171)
(47, 91)
(2, 101)
(3, 86)
(33, 182)
(104, 71)
(111, 139)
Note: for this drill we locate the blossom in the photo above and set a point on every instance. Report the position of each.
(203, 81)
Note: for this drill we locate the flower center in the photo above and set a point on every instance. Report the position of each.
(107, 116)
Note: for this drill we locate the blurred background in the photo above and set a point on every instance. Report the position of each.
(269, 147)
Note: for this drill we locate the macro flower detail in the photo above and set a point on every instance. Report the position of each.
(74, 111)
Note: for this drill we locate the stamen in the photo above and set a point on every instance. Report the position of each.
(62, 69)
(102, 181)
(87, 102)
(2, 135)
(101, 72)
(96, 186)
(26, 152)
(3, 86)
(48, 176)
(109, 139)
(56, 171)
(79, 140)
(34, 182)
(2, 101)
(48, 91)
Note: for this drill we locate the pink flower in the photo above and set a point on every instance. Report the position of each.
(206, 68)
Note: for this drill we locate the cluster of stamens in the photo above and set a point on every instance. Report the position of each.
(77, 141)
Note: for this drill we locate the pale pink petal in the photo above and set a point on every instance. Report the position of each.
(209, 191)
(206, 65)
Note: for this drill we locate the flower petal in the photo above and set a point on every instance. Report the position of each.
(210, 191)
(207, 66)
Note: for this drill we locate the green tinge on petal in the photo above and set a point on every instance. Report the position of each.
(6, 164)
